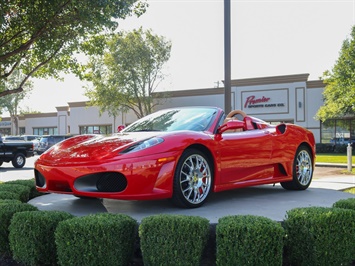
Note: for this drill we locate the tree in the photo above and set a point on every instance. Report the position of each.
(40, 37)
(125, 76)
(339, 93)
(11, 102)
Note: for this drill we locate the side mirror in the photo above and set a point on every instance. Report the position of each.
(231, 125)
(120, 128)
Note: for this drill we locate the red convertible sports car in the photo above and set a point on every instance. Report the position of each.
(179, 153)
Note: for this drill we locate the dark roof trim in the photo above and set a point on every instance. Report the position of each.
(269, 80)
(40, 115)
(312, 84)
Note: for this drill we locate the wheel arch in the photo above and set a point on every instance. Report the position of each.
(205, 150)
(210, 157)
(312, 150)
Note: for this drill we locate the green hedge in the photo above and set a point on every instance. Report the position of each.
(8, 195)
(173, 239)
(345, 204)
(99, 239)
(21, 190)
(8, 200)
(29, 183)
(7, 210)
(331, 148)
(249, 240)
(31, 236)
(320, 236)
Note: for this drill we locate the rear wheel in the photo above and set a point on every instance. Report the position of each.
(302, 170)
(193, 179)
(19, 160)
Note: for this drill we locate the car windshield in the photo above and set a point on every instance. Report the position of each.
(196, 119)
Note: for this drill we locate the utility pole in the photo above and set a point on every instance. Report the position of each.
(227, 56)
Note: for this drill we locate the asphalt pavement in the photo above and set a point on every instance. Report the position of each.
(267, 200)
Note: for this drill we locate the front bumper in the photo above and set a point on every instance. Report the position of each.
(142, 178)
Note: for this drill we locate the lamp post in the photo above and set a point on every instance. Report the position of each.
(227, 56)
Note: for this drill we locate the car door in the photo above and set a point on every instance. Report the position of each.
(245, 156)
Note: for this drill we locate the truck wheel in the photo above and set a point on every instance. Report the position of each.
(19, 160)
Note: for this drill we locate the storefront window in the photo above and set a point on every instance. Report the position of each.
(45, 131)
(342, 132)
(5, 131)
(339, 131)
(96, 129)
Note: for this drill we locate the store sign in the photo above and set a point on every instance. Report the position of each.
(5, 123)
(270, 101)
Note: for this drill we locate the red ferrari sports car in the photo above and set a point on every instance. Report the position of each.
(181, 153)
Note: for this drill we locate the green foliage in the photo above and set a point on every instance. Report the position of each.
(331, 148)
(345, 204)
(320, 236)
(11, 102)
(29, 183)
(40, 37)
(7, 195)
(21, 190)
(339, 93)
(31, 236)
(8, 201)
(100, 239)
(249, 240)
(7, 210)
(125, 76)
(173, 239)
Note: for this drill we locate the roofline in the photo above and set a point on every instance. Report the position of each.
(312, 84)
(269, 80)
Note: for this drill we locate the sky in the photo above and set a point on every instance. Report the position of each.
(268, 38)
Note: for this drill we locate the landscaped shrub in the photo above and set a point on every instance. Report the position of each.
(31, 184)
(21, 190)
(325, 148)
(320, 236)
(7, 195)
(6, 213)
(249, 240)
(99, 239)
(345, 204)
(31, 236)
(332, 148)
(8, 201)
(173, 239)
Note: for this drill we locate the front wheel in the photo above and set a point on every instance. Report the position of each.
(302, 170)
(193, 179)
(19, 160)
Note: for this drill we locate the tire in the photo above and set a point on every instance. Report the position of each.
(19, 160)
(193, 179)
(302, 170)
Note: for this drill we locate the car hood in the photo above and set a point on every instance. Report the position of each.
(92, 147)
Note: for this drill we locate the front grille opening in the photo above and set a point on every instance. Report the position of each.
(111, 182)
(101, 182)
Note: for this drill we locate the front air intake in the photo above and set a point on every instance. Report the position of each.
(40, 180)
(111, 182)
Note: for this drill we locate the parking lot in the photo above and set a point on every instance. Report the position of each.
(269, 201)
(8, 172)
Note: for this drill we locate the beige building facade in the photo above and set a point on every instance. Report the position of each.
(288, 98)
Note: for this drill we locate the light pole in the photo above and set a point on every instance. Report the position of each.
(227, 56)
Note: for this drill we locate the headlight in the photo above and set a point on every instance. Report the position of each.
(143, 145)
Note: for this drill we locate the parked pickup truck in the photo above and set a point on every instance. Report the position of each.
(15, 152)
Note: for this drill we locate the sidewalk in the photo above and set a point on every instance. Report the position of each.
(267, 200)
